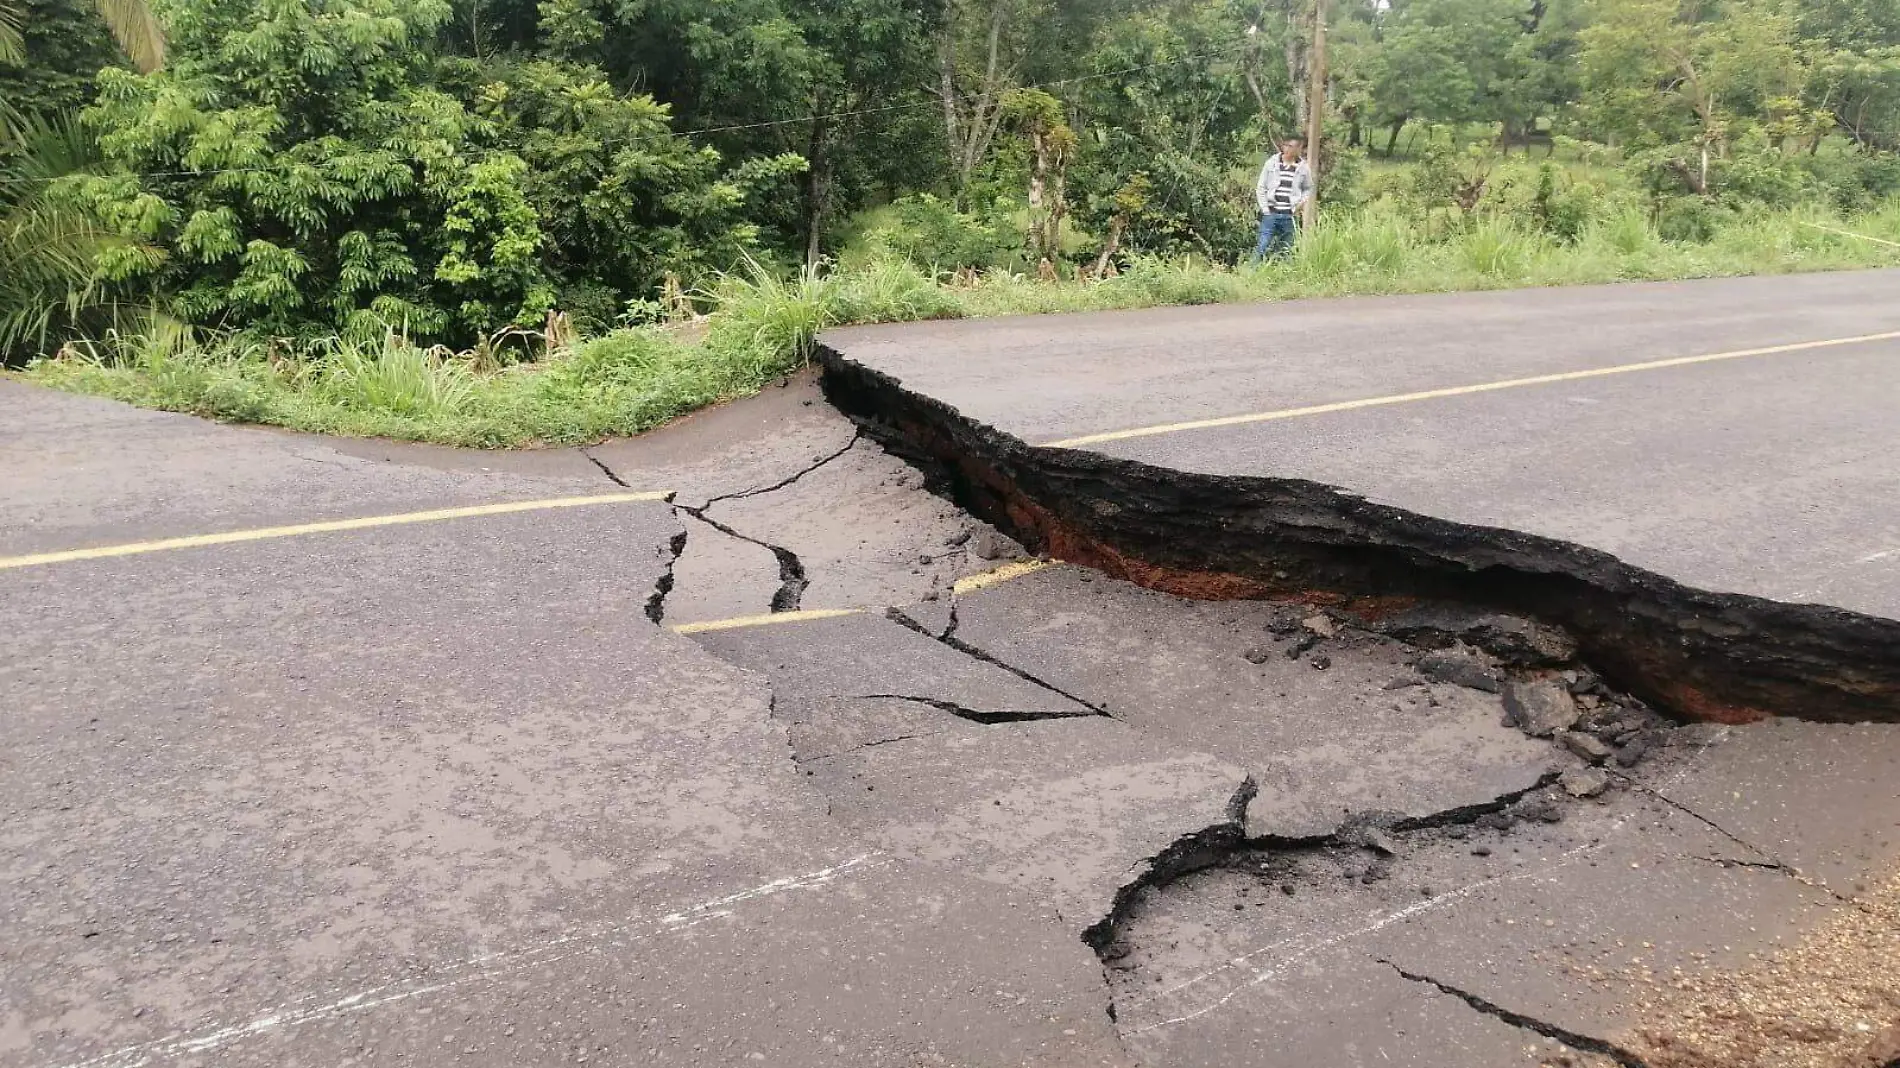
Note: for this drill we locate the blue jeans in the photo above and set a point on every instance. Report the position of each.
(1276, 235)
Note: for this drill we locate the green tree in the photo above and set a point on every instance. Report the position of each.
(770, 77)
(309, 170)
(1448, 61)
(1177, 92)
(1856, 45)
(1683, 79)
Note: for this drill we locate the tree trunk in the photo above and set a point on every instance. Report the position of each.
(1295, 67)
(987, 112)
(1392, 141)
(1109, 247)
(947, 88)
(817, 184)
(1058, 205)
(971, 116)
(1315, 110)
(1037, 178)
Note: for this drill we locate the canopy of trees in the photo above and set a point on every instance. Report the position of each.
(457, 167)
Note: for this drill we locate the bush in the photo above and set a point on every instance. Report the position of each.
(1544, 196)
(930, 233)
(768, 323)
(1692, 220)
(1499, 248)
(1756, 173)
(1627, 233)
(396, 376)
(1153, 280)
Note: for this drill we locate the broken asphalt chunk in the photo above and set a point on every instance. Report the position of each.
(1541, 809)
(1540, 707)
(1460, 668)
(989, 545)
(1587, 746)
(1377, 839)
(1633, 751)
(1585, 782)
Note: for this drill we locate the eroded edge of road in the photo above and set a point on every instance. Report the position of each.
(1697, 654)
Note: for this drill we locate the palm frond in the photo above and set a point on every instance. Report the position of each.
(136, 27)
(12, 41)
(53, 146)
(49, 243)
(10, 122)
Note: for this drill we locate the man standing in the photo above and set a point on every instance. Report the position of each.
(1285, 184)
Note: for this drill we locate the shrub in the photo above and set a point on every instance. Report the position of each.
(396, 376)
(1687, 219)
(1626, 232)
(1498, 248)
(930, 233)
(1153, 280)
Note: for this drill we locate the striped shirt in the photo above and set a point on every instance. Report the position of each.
(1282, 188)
(1282, 196)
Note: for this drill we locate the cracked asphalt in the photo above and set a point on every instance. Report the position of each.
(1767, 475)
(806, 765)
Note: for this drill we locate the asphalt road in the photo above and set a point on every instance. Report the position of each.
(435, 791)
(410, 775)
(1768, 473)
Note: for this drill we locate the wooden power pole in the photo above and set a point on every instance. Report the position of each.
(1315, 108)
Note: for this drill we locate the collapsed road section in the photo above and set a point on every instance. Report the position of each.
(1299, 834)
(1226, 508)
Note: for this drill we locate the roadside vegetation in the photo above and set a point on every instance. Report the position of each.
(633, 379)
(500, 223)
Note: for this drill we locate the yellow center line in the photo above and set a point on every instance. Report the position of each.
(363, 523)
(1850, 233)
(766, 620)
(1459, 391)
(967, 584)
(972, 583)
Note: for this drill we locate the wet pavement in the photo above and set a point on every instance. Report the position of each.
(1764, 474)
(876, 788)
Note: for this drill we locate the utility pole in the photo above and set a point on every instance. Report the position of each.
(1315, 108)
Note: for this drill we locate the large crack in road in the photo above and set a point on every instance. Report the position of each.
(1140, 784)
(1702, 655)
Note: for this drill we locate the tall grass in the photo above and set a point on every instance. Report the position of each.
(763, 325)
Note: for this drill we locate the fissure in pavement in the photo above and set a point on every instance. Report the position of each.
(1698, 654)
(948, 638)
(1461, 602)
(987, 717)
(1569, 1038)
(791, 571)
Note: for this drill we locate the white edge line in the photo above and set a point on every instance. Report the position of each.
(472, 969)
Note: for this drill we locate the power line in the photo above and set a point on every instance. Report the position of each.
(698, 132)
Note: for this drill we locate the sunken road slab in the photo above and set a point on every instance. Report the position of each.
(1765, 474)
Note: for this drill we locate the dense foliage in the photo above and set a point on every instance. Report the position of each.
(484, 172)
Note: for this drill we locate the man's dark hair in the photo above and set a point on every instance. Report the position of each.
(1294, 140)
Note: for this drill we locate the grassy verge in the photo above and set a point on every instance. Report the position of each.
(760, 327)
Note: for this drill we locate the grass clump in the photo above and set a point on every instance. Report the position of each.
(762, 325)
